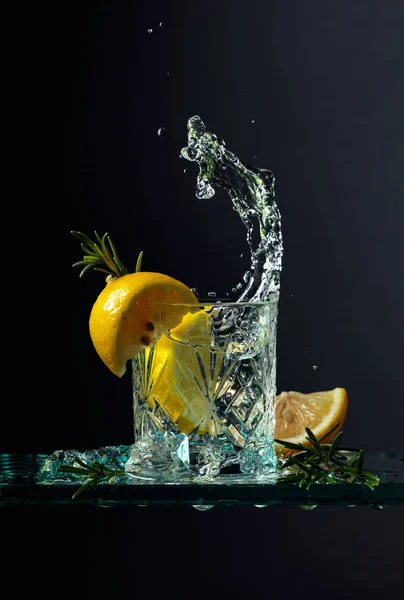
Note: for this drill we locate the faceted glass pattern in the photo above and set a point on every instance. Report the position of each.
(206, 393)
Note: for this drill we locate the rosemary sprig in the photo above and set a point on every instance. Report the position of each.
(101, 255)
(324, 463)
(95, 472)
(318, 463)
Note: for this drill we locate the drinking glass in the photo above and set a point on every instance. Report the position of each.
(204, 395)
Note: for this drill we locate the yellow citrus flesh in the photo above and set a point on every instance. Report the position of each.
(319, 411)
(182, 382)
(132, 312)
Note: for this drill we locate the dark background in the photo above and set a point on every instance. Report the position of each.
(323, 81)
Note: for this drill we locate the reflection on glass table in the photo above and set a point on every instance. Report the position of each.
(23, 480)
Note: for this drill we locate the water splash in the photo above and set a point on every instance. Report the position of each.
(253, 196)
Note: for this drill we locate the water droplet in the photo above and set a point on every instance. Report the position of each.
(150, 31)
(242, 255)
(315, 367)
(189, 153)
(227, 294)
(292, 295)
(255, 156)
(239, 286)
(233, 290)
(212, 294)
(185, 171)
(168, 73)
(253, 121)
(161, 24)
(162, 131)
(246, 277)
(195, 291)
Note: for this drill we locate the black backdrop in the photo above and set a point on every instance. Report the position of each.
(323, 83)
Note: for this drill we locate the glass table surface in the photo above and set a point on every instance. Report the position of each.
(19, 484)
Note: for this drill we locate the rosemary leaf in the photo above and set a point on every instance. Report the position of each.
(103, 271)
(116, 258)
(139, 262)
(97, 467)
(83, 488)
(304, 466)
(97, 254)
(105, 249)
(98, 251)
(290, 445)
(312, 438)
(354, 461)
(313, 479)
(324, 463)
(288, 463)
(84, 238)
(88, 251)
(320, 439)
(86, 268)
(99, 238)
(335, 443)
(79, 263)
(360, 460)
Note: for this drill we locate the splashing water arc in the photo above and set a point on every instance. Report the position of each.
(252, 192)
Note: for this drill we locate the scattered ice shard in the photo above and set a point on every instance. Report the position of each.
(183, 451)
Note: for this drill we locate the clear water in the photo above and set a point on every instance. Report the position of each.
(252, 192)
(222, 401)
(214, 382)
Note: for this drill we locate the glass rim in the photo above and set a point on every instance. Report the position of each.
(273, 298)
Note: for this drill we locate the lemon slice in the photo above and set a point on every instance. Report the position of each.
(319, 411)
(182, 381)
(131, 313)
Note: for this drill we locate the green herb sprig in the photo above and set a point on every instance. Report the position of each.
(318, 463)
(324, 463)
(95, 472)
(101, 255)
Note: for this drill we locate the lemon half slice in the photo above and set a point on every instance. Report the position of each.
(132, 312)
(319, 411)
